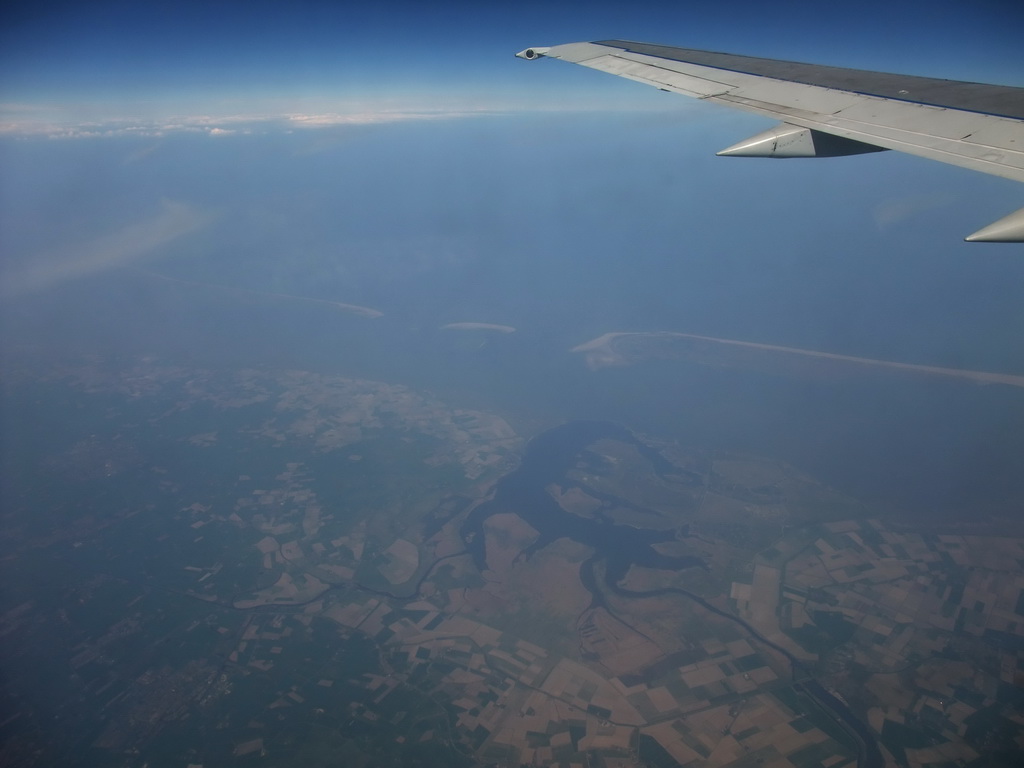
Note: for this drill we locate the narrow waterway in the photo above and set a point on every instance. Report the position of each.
(548, 457)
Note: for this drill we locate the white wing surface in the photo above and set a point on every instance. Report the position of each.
(829, 111)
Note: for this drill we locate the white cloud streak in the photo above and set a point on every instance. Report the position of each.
(893, 211)
(117, 249)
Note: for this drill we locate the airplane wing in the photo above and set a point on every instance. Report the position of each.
(829, 111)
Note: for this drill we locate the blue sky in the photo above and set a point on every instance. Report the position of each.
(93, 62)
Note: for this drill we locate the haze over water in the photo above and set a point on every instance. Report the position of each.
(564, 227)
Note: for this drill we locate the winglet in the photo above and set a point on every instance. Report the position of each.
(1009, 229)
(532, 53)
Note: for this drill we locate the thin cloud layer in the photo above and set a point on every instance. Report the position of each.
(211, 126)
(117, 249)
(65, 121)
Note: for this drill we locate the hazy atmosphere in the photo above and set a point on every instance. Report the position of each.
(373, 397)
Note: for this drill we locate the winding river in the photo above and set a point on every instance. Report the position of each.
(547, 459)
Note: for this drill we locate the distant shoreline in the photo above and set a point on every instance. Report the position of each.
(478, 327)
(601, 352)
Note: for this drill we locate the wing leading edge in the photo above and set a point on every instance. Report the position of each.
(829, 111)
